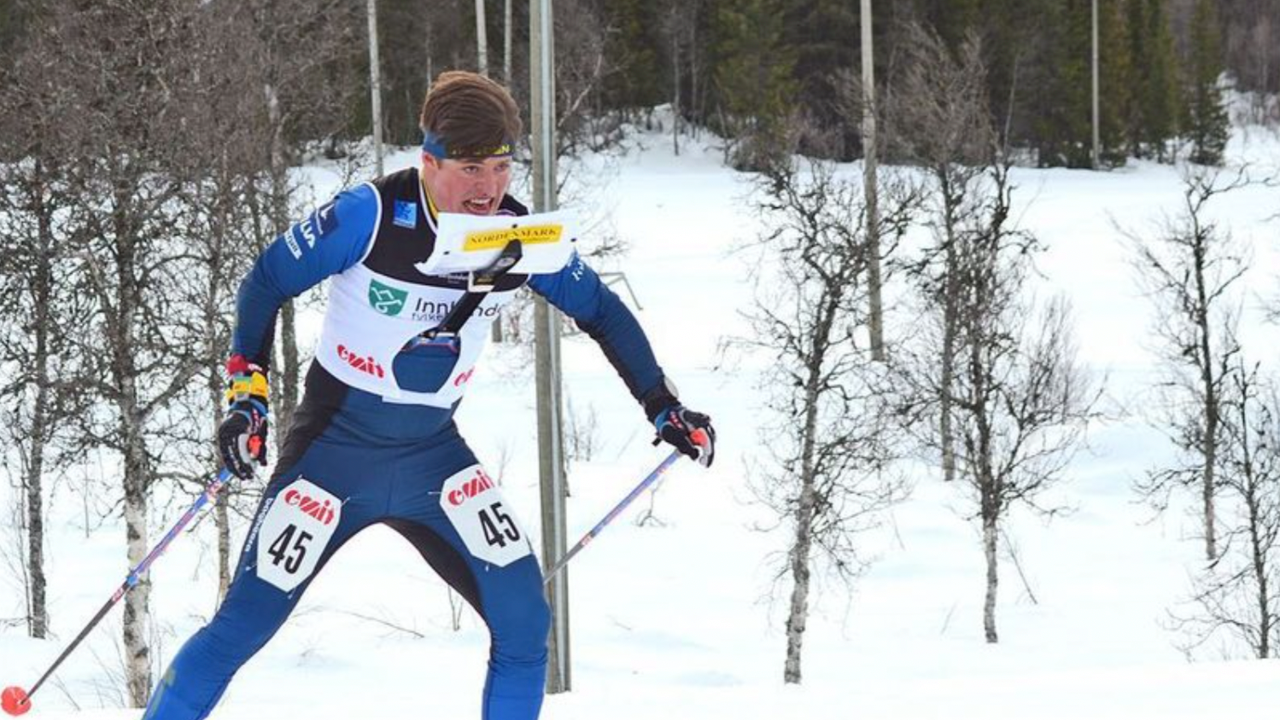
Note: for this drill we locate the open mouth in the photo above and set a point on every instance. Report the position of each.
(478, 206)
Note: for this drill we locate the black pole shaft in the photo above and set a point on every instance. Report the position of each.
(79, 638)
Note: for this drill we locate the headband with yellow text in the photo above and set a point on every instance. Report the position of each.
(434, 144)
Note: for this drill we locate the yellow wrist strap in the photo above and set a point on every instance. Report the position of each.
(244, 387)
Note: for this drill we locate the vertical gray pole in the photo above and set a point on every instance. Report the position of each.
(1097, 141)
(547, 343)
(375, 83)
(876, 324)
(482, 40)
(506, 42)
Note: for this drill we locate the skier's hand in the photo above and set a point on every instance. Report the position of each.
(687, 431)
(242, 436)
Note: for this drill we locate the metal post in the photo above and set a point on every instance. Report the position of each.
(482, 40)
(547, 342)
(1097, 135)
(375, 83)
(876, 325)
(506, 42)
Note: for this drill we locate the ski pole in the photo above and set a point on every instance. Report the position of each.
(653, 477)
(17, 701)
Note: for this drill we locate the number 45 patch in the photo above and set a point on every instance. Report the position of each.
(295, 532)
(474, 504)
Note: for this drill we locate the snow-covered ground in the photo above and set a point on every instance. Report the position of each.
(673, 619)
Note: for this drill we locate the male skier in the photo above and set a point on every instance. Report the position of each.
(373, 440)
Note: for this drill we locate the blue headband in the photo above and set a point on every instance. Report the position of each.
(434, 144)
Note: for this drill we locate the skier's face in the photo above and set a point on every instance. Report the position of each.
(473, 185)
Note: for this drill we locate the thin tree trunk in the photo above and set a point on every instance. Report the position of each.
(286, 399)
(123, 344)
(990, 486)
(289, 359)
(950, 323)
(38, 613)
(220, 507)
(136, 610)
(945, 431)
(875, 319)
(1259, 553)
(798, 616)
(1211, 410)
(224, 545)
(989, 537)
(675, 92)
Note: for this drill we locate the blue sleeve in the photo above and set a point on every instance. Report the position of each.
(328, 241)
(578, 291)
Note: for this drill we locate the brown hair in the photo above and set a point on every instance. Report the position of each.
(470, 114)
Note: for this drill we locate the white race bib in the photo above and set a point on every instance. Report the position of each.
(294, 533)
(474, 505)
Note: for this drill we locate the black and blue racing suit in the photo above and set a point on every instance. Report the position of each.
(374, 440)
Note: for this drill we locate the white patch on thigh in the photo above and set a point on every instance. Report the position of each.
(475, 507)
(294, 533)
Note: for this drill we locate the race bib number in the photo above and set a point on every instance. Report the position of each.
(474, 505)
(295, 532)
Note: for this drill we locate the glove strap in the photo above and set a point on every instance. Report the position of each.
(247, 381)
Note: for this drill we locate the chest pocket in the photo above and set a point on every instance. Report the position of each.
(425, 366)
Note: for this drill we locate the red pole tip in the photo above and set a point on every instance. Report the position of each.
(14, 700)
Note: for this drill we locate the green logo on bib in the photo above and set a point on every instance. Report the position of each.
(385, 299)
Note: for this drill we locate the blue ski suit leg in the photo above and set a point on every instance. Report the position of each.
(384, 464)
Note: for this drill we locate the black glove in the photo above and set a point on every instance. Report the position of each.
(687, 431)
(242, 436)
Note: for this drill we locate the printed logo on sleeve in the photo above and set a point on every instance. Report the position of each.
(326, 217)
(292, 244)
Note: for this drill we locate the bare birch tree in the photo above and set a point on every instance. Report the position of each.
(1188, 268)
(1238, 595)
(937, 117)
(222, 178)
(41, 307)
(832, 432)
(133, 91)
(1020, 400)
(302, 96)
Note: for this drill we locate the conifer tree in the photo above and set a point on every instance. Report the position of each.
(753, 80)
(1115, 79)
(1061, 125)
(1204, 116)
(1153, 120)
(825, 36)
(633, 46)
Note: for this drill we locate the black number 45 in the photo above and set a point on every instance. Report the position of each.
(492, 535)
(280, 551)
